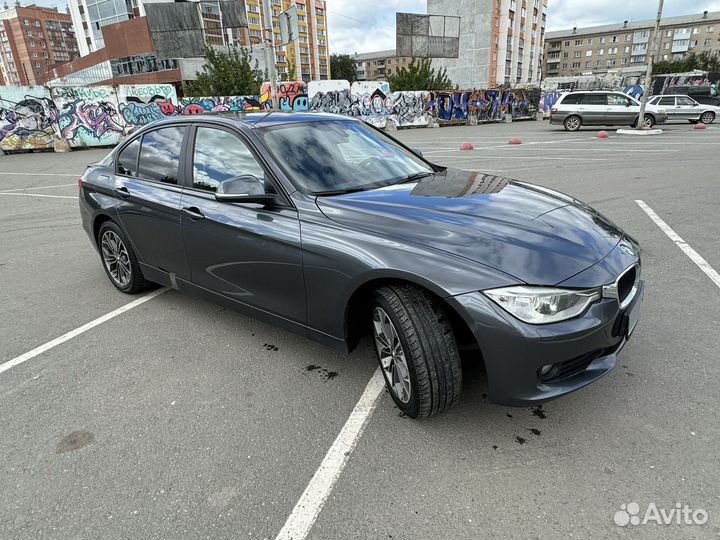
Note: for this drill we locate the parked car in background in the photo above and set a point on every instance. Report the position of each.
(707, 95)
(333, 229)
(684, 108)
(601, 108)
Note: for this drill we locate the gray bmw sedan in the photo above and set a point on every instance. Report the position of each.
(331, 228)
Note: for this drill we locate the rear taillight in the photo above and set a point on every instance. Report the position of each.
(553, 110)
(81, 182)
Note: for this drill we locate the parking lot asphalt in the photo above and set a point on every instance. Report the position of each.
(180, 419)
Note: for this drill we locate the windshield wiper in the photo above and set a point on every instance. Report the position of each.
(413, 177)
(340, 191)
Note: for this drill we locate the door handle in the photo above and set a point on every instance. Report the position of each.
(193, 212)
(122, 192)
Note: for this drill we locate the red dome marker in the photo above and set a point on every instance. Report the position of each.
(700, 126)
(515, 140)
(602, 135)
(467, 146)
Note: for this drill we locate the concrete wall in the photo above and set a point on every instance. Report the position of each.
(28, 118)
(471, 69)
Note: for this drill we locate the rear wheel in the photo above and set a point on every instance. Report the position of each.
(572, 123)
(708, 117)
(416, 349)
(649, 121)
(119, 260)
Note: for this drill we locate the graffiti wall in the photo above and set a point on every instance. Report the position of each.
(34, 117)
(141, 104)
(88, 116)
(198, 105)
(28, 118)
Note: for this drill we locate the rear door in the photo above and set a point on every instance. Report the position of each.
(245, 251)
(593, 108)
(668, 103)
(148, 187)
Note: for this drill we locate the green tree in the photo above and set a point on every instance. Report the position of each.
(702, 61)
(419, 75)
(342, 66)
(292, 72)
(227, 74)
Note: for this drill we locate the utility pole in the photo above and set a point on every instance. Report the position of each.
(651, 51)
(270, 61)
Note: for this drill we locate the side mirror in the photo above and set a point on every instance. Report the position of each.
(246, 188)
(417, 151)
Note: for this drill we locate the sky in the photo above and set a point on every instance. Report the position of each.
(369, 25)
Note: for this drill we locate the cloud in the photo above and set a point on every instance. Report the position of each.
(355, 26)
(564, 14)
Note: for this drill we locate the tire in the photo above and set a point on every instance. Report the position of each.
(572, 123)
(649, 121)
(119, 260)
(708, 117)
(426, 364)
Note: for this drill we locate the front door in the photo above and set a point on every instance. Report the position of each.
(687, 108)
(148, 190)
(245, 251)
(668, 103)
(620, 110)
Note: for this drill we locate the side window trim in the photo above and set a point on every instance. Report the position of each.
(190, 159)
(137, 158)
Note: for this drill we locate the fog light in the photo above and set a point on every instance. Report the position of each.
(545, 369)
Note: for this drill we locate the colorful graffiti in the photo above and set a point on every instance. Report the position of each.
(199, 105)
(549, 99)
(88, 115)
(28, 117)
(142, 104)
(292, 96)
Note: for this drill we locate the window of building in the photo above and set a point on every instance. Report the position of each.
(628, 37)
(614, 39)
(696, 30)
(578, 54)
(627, 49)
(576, 64)
(160, 154)
(564, 65)
(602, 40)
(588, 64)
(588, 53)
(666, 46)
(601, 52)
(26, 22)
(668, 33)
(695, 43)
(589, 41)
(566, 54)
(623, 61)
(567, 43)
(37, 24)
(708, 42)
(710, 29)
(578, 42)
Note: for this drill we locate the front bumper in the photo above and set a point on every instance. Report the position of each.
(582, 349)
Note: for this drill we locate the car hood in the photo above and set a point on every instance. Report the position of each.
(537, 235)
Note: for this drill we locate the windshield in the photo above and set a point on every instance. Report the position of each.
(340, 155)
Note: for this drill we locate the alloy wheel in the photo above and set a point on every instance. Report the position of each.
(392, 355)
(573, 123)
(648, 122)
(116, 259)
(707, 118)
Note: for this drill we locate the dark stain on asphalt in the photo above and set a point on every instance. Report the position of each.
(520, 440)
(329, 375)
(629, 374)
(495, 447)
(538, 411)
(74, 441)
(270, 347)
(508, 415)
(484, 395)
(534, 431)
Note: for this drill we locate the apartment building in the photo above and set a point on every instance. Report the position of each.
(33, 40)
(501, 41)
(308, 55)
(376, 66)
(624, 47)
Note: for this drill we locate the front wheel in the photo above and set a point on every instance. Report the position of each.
(119, 260)
(416, 349)
(708, 117)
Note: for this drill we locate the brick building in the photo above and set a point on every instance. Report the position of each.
(33, 40)
(376, 66)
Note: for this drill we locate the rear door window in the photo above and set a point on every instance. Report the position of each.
(618, 99)
(594, 99)
(160, 154)
(667, 101)
(685, 101)
(128, 159)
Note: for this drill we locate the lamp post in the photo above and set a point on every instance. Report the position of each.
(652, 48)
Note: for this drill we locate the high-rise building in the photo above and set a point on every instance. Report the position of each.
(501, 41)
(624, 46)
(33, 40)
(307, 57)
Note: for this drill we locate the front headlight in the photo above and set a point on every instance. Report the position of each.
(542, 305)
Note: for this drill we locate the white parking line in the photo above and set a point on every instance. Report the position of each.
(84, 328)
(690, 252)
(313, 499)
(38, 187)
(40, 195)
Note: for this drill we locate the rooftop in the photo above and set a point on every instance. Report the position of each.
(372, 55)
(634, 25)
